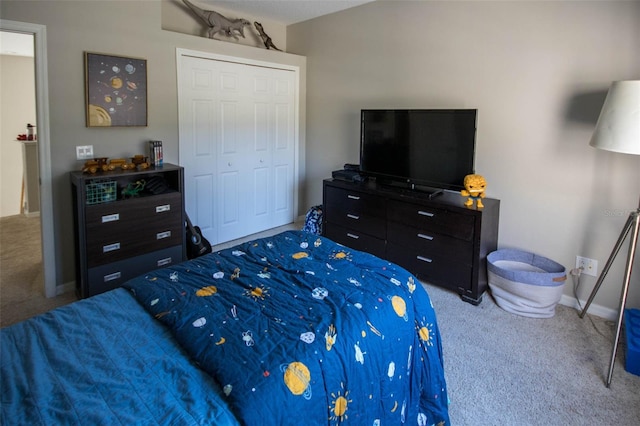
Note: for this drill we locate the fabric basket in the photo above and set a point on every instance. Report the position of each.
(524, 283)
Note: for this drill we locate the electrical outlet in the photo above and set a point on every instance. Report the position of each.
(84, 152)
(589, 266)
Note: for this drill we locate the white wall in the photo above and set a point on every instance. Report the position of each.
(17, 108)
(128, 28)
(537, 71)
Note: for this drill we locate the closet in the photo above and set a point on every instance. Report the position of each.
(238, 143)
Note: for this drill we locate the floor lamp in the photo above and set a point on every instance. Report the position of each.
(618, 130)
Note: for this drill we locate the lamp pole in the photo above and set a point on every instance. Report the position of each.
(632, 225)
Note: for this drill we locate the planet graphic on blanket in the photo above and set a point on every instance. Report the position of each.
(339, 405)
(425, 332)
(297, 378)
(207, 291)
(341, 255)
(399, 306)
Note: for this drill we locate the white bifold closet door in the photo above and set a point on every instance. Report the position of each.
(237, 145)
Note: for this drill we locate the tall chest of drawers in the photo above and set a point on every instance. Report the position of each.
(118, 237)
(439, 240)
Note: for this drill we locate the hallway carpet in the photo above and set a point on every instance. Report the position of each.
(21, 274)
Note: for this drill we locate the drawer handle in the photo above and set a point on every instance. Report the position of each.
(423, 213)
(110, 218)
(353, 197)
(163, 208)
(161, 235)
(425, 237)
(111, 277)
(355, 237)
(111, 247)
(163, 262)
(353, 216)
(424, 259)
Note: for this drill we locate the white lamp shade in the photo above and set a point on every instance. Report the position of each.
(618, 127)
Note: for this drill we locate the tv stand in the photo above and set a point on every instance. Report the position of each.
(433, 235)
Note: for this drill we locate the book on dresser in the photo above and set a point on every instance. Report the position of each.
(438, 239)
(119, 236)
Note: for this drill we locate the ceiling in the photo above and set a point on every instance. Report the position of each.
(285, 12)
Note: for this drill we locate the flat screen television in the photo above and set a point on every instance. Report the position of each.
(432, 148)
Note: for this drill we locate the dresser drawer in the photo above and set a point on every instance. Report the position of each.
(357, 221)
(432, 219)
(107, 277)
(354, 202)
(442, 272)
(354, 239)
(114, 217)
(141, 239)
(431, 244)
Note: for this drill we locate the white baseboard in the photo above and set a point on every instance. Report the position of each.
(65, 288)
(597, 310)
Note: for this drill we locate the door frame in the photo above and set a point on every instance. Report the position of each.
(181, 52)
(47, 229)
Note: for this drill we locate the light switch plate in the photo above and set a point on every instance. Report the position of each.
(84, 152)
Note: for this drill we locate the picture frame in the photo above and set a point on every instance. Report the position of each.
(116, 90)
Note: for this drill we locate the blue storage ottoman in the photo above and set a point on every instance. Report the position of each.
(632, 333)
(524, 283)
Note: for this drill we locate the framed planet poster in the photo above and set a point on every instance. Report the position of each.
(116, 90)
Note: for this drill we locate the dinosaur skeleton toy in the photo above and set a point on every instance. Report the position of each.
(218, 23)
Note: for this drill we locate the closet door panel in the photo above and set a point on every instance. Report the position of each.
(198, 103)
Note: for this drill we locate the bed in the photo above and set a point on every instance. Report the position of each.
(286, 330)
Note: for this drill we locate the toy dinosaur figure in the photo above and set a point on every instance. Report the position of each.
(133, 189)
(218, 23)
(268, 43)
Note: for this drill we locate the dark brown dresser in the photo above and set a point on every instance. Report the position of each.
(118, 237)
(437, 239)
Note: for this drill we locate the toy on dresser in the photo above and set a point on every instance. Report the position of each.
(474, 187)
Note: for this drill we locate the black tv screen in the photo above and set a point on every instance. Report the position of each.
(426, 147)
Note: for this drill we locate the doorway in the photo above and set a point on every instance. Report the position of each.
(18, 154)
(47, 235)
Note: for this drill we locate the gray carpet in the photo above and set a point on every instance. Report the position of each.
(505, 369)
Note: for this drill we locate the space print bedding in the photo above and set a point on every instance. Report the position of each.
(287, 330)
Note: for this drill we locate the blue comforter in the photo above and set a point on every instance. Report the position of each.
(299, 330)
(103, 361)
